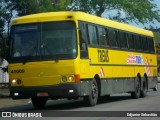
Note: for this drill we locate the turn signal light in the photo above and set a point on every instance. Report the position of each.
(77, 78)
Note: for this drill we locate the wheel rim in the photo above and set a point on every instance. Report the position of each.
(144, 87)
(138, 87)
(94, 91)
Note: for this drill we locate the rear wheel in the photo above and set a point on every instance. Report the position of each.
(136, 93)
(144, 88)
(91, 100)
(39, 102)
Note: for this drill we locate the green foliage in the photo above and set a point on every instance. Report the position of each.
(1, 25)
(6, 13)
(139, 11)
(157, 41)
(26, 7)
(1, 18)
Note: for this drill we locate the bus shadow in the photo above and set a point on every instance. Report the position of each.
(75, 104)
(64, 104)
(111, 99)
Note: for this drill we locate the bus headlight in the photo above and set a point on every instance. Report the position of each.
(13, 82)
(16, 81)
(70, 79)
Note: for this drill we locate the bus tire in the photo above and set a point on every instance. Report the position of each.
(39, 102)
(91, 100)
(144, 88)
(136, 93)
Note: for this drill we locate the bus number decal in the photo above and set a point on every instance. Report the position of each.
(18, 71)
(103, 56)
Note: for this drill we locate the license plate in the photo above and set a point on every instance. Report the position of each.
(42, 94)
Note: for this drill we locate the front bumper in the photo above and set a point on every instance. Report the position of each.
(71, 90)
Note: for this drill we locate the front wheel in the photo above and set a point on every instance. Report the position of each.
(39, 102)
(91, 100)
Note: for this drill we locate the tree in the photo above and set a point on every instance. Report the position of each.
(139, 11)
(1, 18)
(6, 13)
(26, 7)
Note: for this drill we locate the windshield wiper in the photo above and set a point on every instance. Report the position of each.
(30, 54)
(46, 47)
(50, 53)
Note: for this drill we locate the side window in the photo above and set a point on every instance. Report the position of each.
(83, 40)
(131, 41)
(103, 37)
(137, 42)
(92, 35)
(122, 39)
(151, 45)
(106, 37)
(82, 28)
(113, 37)
(145, 44)
(140, 41)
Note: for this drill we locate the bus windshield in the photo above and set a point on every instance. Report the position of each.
(43, 41)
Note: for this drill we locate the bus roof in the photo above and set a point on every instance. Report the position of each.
(69, 15)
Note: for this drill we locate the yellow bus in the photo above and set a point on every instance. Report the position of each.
(73, 54)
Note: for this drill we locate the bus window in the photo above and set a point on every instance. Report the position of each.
(59, 39)
(138, 42)
(113, 37)
(141, 45)
(92, 35)
(151, 45)
(83, 40)
(122, 39)
(145, 44)
(131, 41)
(83, 29)
(103, 37)
(106, 36)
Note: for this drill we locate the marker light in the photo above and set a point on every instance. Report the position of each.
(16, 94)
(19, 81)
(77, 78)
(71, 91)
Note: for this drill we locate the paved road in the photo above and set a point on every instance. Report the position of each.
(76, 108)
